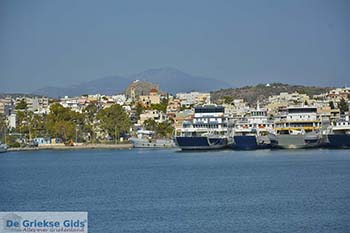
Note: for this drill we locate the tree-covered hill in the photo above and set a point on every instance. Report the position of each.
(261, 92)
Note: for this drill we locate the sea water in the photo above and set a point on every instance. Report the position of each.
(171, 191)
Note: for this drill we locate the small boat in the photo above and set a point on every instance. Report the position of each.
(3, 147)
(145, 139)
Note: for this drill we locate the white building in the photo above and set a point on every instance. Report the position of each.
(193, 98)
(12, 121)
(155, 115)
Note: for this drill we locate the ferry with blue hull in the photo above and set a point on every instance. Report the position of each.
(201, 142)
(253, 142)
(247, 143)
(338, 135)
(253, 131)
(206, 131)
(338, 141)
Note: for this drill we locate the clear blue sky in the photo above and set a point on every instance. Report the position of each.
(65, 42)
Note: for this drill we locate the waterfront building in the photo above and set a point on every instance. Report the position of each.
(155, 115)
(12, 121)
(72, 102)
(339, 93)
(181, 117)
(119, 99)
(34, 104)
(193, 98)
(284, 99)
(152, 98)
(238, 108)
(7, 106)
(174, 106)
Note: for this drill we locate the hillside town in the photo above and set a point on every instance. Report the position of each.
(28, 121)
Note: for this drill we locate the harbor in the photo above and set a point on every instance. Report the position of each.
(167, 190)
(175, 116)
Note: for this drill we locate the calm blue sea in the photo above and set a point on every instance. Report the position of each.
(169, 191)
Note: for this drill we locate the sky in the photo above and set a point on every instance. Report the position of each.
(65, 42)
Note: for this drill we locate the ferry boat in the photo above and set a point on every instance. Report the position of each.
(298, 127)
(338, 134)
(206, 131)
(254, 131)
(3, 147)
(145, 139)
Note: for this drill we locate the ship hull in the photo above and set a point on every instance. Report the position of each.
(247, 142)
(338, 140)
(144, 143)
(3, 148)
(200, 143)
(297, 142)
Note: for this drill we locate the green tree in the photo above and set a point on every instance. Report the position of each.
(22, 122)
(331, 104)
(163, 129)
(228, 99)
(88, 127)
(150, 124)
(3, 127)
(343, 106)
(162, 106)
(114, 121)
(63, 122)
(36, 124)
(139, 110)
(22, 105)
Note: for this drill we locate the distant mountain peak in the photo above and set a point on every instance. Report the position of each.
(170, 79)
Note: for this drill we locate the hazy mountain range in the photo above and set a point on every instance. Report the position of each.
(171, 80)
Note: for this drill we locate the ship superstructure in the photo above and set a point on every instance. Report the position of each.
(298, 127)
(254, 131)
(207, 130)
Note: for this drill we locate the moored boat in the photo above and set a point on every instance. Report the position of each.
(145, 139)
(3, 147)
